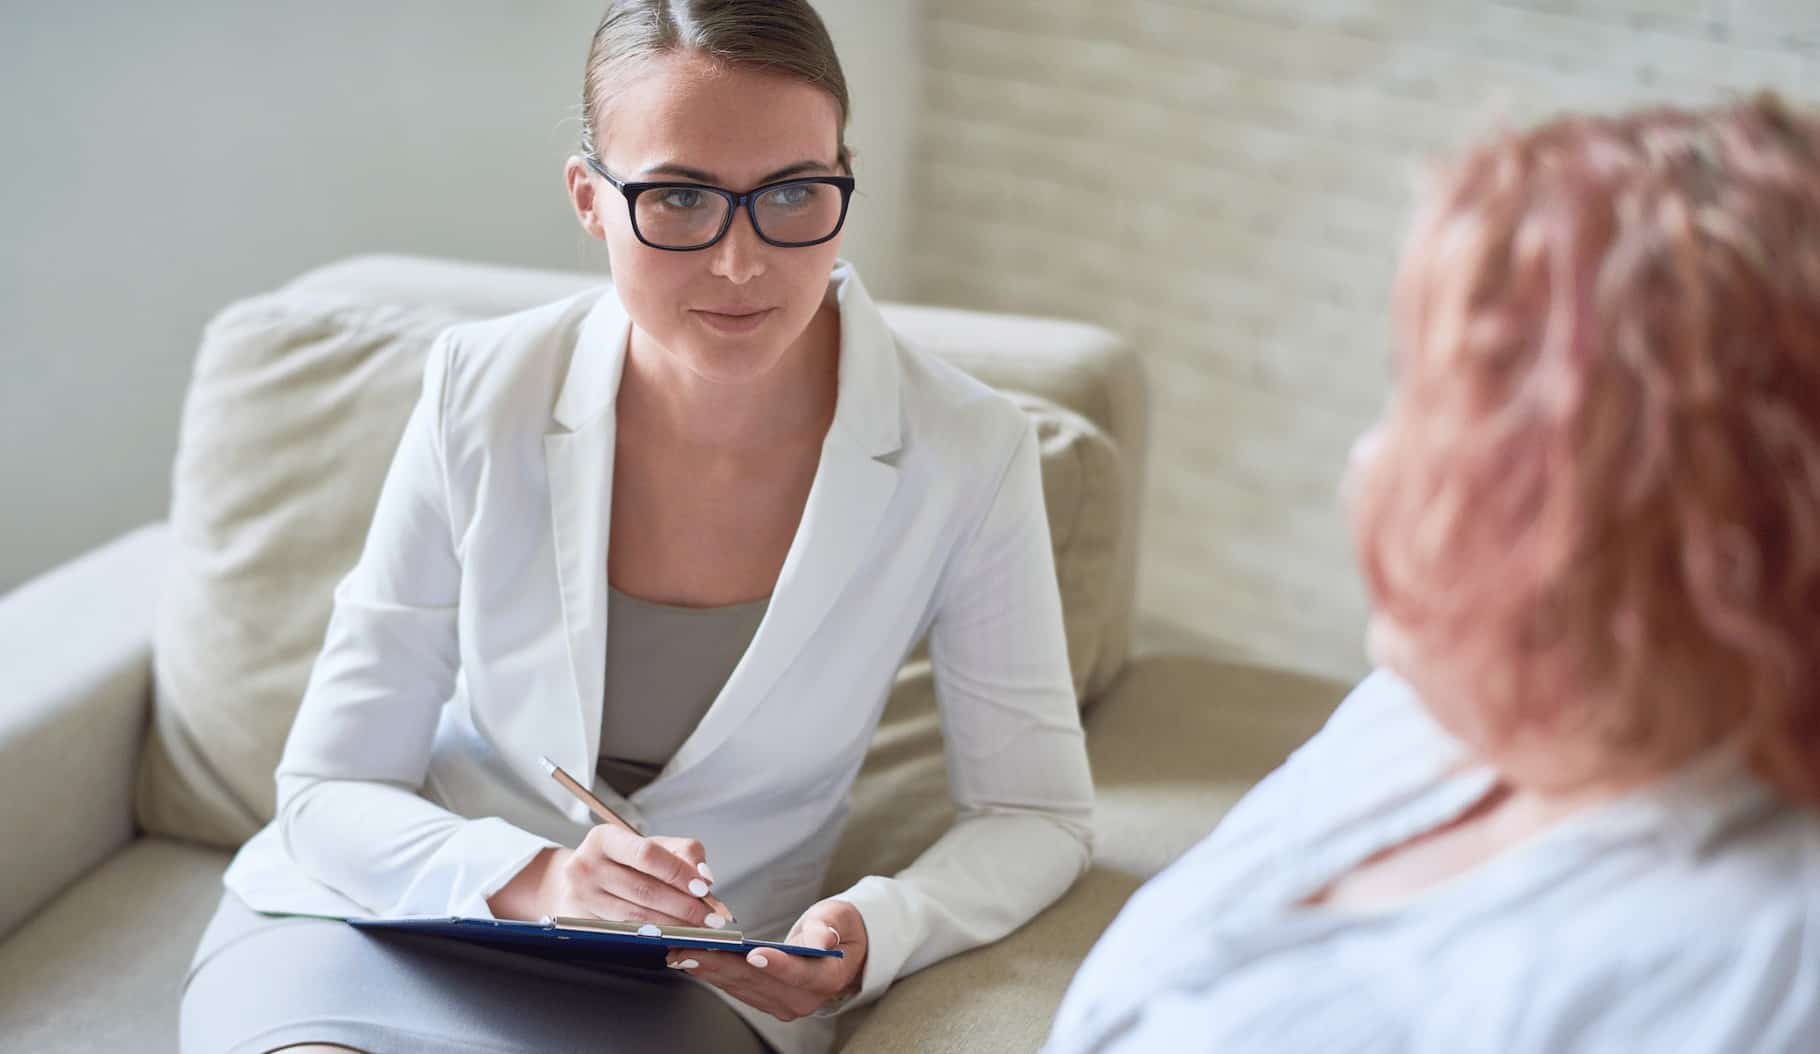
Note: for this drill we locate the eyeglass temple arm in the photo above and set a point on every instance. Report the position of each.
(594, 163)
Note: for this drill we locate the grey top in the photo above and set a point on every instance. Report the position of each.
(665, 667)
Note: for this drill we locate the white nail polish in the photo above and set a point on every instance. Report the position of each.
(688, 964)
(716, 922)
(758, 960)
(705, 873)
(698, 887)
(650, 929)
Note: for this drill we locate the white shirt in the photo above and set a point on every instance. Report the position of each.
(1684, 917)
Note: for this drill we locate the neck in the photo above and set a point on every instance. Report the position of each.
(1527, 809)
(1542, 784)
(794, 399)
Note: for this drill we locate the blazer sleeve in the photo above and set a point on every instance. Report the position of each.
(350, 809)
(1017, 760)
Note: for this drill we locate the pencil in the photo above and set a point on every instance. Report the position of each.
(606, 815)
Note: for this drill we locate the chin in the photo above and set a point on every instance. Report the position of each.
(729, 362)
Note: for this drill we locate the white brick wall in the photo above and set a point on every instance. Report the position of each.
(1226, 182)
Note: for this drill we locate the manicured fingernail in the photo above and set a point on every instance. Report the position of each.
(705, 873)
(673, 966)
(650, 929)
(698, 887)
(687, 964)
(716, 922)
(758, 959)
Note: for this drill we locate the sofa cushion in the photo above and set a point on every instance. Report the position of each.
(102, 966)
(292, 414)
(296, 404)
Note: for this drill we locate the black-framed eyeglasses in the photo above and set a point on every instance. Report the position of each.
(683, 217)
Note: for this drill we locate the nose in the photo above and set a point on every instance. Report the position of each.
(739, 256)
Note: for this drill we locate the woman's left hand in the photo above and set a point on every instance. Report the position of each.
(783, 985)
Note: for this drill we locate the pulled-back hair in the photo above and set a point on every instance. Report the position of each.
(782, 36)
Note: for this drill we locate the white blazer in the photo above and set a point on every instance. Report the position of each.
(471, 638)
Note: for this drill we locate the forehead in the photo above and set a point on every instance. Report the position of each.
(737, 123)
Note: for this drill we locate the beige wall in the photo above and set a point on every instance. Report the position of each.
(1225, 182)
(164, 159)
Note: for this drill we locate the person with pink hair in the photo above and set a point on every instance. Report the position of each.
(1577, 807)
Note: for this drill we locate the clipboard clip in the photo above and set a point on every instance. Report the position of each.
(643, 929)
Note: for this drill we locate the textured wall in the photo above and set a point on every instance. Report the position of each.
(1225, 181)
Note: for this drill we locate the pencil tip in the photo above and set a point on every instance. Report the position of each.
(549, 766)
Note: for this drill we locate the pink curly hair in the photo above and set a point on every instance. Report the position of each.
(1593, 512)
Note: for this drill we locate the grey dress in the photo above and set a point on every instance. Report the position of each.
(261, 982)
(665, 666)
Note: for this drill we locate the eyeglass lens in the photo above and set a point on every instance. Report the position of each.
(683, 217)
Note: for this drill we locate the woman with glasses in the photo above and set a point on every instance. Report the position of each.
(677, 536)
(1578, 810)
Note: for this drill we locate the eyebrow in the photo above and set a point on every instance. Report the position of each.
(696, 174)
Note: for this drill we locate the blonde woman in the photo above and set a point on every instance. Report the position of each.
(676, 536)
(1577, 809)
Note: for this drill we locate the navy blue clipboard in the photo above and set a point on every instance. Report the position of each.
(575, 946)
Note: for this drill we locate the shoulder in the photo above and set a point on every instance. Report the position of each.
(1776, 948)
(1649, 943)
(940, 398)
(1715, 957)
(1765, 868)
(956, 426)
(532, 326)
(517, 360)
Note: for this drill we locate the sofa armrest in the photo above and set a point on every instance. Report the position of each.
(75, 688)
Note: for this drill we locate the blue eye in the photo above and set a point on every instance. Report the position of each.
(681, 199)
(794, 198)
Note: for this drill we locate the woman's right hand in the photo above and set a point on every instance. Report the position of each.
(614, 874)
(617, 875)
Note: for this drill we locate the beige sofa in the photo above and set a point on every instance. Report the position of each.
(115, 839)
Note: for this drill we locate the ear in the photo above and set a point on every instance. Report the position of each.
(584, 196)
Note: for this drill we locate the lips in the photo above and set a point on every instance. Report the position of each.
(733, 320)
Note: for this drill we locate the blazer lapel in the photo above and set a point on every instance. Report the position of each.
(580, 467)
(846, 502)
(853, 485)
